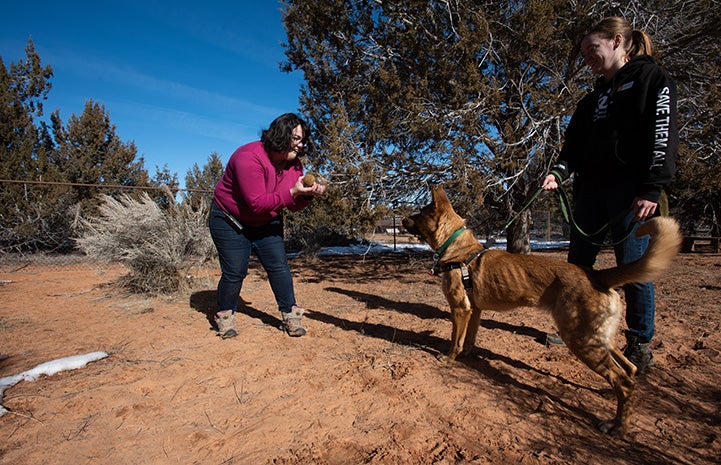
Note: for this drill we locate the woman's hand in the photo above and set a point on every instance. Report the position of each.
(643, 208)
(299, 188)
(549, 183)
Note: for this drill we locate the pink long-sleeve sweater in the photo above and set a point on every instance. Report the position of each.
(253, 190)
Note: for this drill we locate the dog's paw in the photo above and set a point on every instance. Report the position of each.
(445, 358)
(611, 428)
(470, 352)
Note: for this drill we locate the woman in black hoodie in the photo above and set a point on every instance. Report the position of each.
(621, 146)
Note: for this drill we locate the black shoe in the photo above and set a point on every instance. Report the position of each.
(638, 353)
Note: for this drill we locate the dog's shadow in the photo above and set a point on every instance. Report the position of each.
(535, 334)
(425, 312)
(205, 302)
(423, 340)
(478, 361)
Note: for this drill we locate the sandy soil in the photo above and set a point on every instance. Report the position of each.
(364, 386)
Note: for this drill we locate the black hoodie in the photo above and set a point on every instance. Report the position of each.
(624, 131)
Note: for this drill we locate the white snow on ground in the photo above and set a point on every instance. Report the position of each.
(48, 368)
(378, 247)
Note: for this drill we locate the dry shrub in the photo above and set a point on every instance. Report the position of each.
(158, 245)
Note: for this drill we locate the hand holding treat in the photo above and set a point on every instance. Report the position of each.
(309, 186)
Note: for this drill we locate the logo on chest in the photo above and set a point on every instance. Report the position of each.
(601, 111)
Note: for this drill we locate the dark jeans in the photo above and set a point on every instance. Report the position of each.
(234, 248)
(592, 211)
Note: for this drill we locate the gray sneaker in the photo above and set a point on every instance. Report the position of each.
(639, 353)
(554, 339)
(292, 321)
(226, 324)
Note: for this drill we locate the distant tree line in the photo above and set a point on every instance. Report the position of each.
(84, 151)
(401, 94)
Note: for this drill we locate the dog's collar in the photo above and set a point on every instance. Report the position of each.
(444, 246)
(435, 269)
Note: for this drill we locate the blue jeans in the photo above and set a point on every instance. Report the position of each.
(592, 211)
(234, 248)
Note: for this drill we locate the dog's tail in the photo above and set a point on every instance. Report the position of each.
(664, 245)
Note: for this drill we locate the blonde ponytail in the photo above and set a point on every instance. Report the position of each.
(641, 44)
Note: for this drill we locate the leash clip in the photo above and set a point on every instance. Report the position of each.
(434, 267)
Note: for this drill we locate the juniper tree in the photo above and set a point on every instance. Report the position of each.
(86, 150)
(200, 182)
(89, 151)
(473, 94)
(32, 217)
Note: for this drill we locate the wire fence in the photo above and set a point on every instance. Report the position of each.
(40, 261)
(543, 228)
(176, 190)
(13, 260)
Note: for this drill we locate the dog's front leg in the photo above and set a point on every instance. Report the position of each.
(474, 324)
(460, 315)
(459, 318)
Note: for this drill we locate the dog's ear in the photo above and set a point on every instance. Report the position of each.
(439, 194)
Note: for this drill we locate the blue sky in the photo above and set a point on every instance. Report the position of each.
(181, 79)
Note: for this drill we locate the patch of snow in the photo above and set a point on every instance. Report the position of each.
(48, 368)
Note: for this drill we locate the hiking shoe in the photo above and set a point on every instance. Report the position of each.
(638, 353)
(554, 339)
(292, 321)
(226, 324)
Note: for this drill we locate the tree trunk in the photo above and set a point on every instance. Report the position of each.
(518, 234)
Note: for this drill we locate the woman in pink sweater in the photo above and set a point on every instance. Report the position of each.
(260, 181)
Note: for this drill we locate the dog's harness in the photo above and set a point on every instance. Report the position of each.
(437, 268)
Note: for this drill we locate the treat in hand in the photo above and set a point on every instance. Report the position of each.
(308, 180)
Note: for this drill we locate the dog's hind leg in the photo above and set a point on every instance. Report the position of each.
(623, 382)
(610, 363)
(623, 362)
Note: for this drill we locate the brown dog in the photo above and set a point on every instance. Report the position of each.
(584, 305)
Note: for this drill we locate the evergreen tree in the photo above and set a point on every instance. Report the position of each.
(472, 94)
(166, 187)
(466, 93)
(200, 182)
(88, 151)
(32, 216)
(36, 216)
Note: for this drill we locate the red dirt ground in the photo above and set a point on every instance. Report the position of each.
(364, 386)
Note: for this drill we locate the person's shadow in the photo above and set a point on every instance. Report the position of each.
(205, 302)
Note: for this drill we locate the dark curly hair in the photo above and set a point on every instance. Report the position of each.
(277, 138)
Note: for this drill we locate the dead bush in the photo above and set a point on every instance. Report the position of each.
(158, 245)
